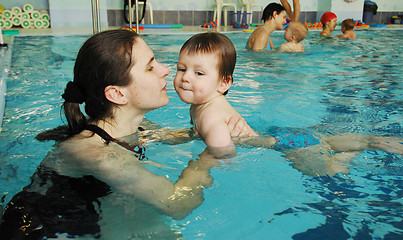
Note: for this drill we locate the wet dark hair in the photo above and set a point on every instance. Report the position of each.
(214, 43)
(270, 9)
(348, 24)
(104, 59)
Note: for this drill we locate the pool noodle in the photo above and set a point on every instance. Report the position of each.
(10, 32)
(160, 25)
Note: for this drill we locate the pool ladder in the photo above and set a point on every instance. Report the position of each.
(96, 16)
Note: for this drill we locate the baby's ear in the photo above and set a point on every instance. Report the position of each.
(115, 94)
(225, 84)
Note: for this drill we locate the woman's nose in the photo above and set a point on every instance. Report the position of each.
(165, 71)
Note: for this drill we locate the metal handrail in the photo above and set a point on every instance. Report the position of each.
(131, 15)
(96, 17)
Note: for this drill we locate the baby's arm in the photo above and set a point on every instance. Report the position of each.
(285, 47)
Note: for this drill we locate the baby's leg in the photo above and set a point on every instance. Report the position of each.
(352, 142)
(318, 161)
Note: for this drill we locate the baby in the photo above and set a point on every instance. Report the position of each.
(347, 28)
(205, 67)
(294, 34)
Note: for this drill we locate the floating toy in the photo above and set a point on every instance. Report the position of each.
(134, 27)
(313, 25)
(378, 25)
(256, 24)
(239, 25)
(212, 24)
(357, 23)
(143, 26)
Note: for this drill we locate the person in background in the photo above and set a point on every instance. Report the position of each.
(274, 17)
(294, 34)
(294, 16)
(329, 21)
(347, 28)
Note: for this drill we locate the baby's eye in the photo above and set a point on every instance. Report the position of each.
(199, 73)
(181, 69)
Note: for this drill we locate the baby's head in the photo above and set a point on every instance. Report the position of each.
(347, 25)
(295, 31)
(214, 43)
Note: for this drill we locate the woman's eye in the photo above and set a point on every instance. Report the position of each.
(150, 68)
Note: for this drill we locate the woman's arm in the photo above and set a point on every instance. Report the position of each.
(127, 175)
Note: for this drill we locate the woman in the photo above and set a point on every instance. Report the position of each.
(329, 21)
(274, 17)
(119, 80)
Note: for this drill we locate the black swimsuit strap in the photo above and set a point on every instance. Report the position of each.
(108, 138)
(104, 135)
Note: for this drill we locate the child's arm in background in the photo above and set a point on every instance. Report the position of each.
(294, 16)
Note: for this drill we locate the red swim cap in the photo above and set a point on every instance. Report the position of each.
(327, 16)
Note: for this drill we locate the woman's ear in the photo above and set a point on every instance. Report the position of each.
(274, 14)
(225, 84)
(115, 94)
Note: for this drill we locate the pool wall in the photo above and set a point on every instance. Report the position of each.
(77, 13)
(5, 57)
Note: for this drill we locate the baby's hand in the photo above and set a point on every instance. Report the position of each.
(238, 127)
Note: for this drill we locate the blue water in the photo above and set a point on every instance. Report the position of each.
(336, 86)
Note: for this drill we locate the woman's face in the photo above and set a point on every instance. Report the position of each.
(147, 90)
(280, 19)
(332, 24)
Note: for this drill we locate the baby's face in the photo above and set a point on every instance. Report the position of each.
(288, 33)
(197, 79)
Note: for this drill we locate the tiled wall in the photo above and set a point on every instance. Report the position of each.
(189, 18)
(196, 18)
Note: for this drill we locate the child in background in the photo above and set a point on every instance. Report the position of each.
(347, 28)
(294, 34)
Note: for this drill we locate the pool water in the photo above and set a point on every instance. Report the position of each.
(336, 86)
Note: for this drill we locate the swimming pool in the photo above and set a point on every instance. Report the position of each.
(336, 86)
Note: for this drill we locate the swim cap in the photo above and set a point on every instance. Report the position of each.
(327, 16)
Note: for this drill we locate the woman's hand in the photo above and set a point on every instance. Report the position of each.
(238, 127)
